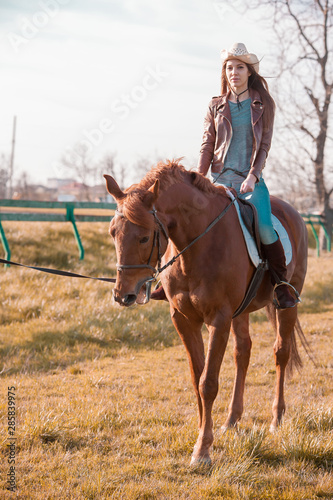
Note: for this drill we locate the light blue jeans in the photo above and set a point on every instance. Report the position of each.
(259, 198)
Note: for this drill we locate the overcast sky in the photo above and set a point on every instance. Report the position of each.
(127, 76)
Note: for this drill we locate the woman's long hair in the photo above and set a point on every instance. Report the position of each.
(258, 83)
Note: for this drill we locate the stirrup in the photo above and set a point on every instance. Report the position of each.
(297, 296)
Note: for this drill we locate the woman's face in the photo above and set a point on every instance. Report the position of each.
(237, 74)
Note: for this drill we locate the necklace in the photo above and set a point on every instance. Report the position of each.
(237, 96)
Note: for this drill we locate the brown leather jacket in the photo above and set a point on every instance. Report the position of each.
(218, 133)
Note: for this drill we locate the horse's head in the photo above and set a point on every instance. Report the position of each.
(140, 240)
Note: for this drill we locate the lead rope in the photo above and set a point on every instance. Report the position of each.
(57, 271)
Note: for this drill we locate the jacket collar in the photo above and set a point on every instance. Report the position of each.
(257, 106)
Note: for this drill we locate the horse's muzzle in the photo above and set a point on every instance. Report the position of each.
(140, 294)
(126, 300)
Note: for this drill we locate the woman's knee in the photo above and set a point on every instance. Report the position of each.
(267, 234)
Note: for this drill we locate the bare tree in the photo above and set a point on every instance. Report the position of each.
(119, 171)
(107, 165)
(303, 58)
(78, 161)
(143, 165)
(24, 188)
(124, 174)
(310, 65)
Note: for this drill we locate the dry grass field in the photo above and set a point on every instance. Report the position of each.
(104, 406)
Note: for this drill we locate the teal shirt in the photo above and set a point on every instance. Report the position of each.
(240, 149)
(239, 158)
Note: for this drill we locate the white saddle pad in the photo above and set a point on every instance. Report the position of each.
(251, 244)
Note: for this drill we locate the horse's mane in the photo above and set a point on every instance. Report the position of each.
(134, 205)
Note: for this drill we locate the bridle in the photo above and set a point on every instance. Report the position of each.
(157, 242)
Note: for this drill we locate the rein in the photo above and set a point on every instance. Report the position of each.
(211, 225)
(158, 270)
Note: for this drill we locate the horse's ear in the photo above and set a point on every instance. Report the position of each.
(155, 189)
(152, 194)
(113, 188)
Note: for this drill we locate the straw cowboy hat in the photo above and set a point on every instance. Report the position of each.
(239, 51)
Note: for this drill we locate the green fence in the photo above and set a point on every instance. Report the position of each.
(54, 211)
(317, 220)
(70, 213)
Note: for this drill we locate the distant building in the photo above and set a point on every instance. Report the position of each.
(62, 190)
(66, 197)
(73, 191)
(56, 183)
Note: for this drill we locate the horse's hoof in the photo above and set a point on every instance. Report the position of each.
(200, 461)
(273, 428)
(229, 427)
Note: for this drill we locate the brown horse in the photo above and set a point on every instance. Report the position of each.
(160, 216)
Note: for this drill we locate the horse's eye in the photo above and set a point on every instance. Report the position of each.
(145, 239)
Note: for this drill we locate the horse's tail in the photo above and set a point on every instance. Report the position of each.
(295, 360)
(295, 357)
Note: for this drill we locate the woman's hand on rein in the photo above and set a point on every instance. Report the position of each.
(248, 185)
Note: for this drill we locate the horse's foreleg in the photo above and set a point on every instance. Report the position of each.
(208, 388)
(285, 327)
(190, 333)
(242, 351)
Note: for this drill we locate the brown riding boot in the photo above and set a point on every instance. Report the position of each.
(158, 294)
(277, 265)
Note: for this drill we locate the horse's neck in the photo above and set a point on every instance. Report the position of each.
(190, 211)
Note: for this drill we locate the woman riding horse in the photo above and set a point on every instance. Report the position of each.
(238, 130)
(177, 224)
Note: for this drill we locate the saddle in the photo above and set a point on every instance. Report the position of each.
(248, 219)
(249, 216)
